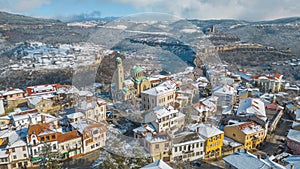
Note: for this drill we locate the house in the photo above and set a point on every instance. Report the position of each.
(252, 107)
(226, 96)
(93, 134)
(31, 116)
(15, 149)
(39, 135)
(187, 146)
(206, 107)
(269, 83)
(69, 144)
(161, 95)
(13, 97)
(165, 119)
(293, 141)
(12, 94)
(249, 134)
(158, 146)
(230, 146)
(74, 117)
(42, 104)
(4, 122)
(213, 139)
(42, 89)
(93, 108)
(244, 159)
(159, 164)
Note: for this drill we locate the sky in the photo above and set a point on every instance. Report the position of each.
(252, 10)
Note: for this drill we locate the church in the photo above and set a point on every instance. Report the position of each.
(133, 86)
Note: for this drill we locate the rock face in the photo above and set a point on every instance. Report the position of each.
(86, 75)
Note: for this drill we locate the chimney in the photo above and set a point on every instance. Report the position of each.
(258, 156)
(292, 166)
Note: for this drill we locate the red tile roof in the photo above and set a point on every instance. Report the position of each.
(62, 137)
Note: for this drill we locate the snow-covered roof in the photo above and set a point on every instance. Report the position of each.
(246, 160)
(229, 142)
(157, 165)
(224, 90)
(248, 127)
(3, 153)
(184, 138)
(161, 137)
(297, 113)
(251, 106)
(295, 124)
(35, 100)
(165, 111)
(163, 88)
(12, 91)
(294, 135)
(205, 130)
(75, 115)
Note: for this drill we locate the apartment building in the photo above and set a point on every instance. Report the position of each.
(249, 134)
(161, 95)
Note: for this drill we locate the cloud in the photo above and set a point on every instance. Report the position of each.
(21, 6)
(200, 9)
(209, 9)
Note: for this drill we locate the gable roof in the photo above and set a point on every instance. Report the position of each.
(205, 130)
(246, 160)
(157, 165)
(62, 137)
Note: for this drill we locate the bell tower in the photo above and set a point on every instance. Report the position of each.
(120, 73)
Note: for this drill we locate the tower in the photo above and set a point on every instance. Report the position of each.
(120, 73)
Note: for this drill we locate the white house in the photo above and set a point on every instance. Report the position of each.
(187, 146)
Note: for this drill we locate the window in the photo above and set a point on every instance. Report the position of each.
(53, 136)
(25, 155)
(175, 149)
(13, 150)
(233, 135)
(54, 146)
(62, 147)
(157, 146)
(47, 138)
(15, 157)
(24, 148)
(42, 138)
(14, 165)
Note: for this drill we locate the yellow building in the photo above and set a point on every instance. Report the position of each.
(249, 134)
(213, 139)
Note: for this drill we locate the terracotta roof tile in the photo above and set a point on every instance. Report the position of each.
(62, 137)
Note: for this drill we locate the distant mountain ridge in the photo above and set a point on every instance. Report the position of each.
(8, 18)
